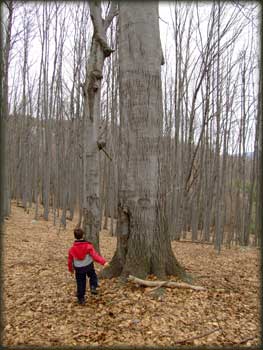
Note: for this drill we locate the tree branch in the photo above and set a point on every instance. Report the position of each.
(112, 13)
(99, 28)
(170, 284)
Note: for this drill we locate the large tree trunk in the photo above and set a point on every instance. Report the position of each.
(144, 245)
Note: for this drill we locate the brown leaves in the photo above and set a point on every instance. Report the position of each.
(41, 308)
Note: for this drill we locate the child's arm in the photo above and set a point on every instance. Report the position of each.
(96, 257)
(70, 262)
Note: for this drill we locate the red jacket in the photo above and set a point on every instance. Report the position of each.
(79, 250)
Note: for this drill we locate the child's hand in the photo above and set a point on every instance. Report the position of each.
(106, 264)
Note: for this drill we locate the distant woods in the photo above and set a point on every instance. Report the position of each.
(210, 138)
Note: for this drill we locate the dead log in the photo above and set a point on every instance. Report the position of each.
(169, 284)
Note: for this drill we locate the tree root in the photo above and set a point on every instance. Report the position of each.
(158, 284)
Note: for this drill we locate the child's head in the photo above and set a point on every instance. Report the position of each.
(78, 233)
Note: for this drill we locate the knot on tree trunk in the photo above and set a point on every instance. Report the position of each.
(101, 144)
(95, 86)
(95, 77)
(96, 74)
(103, 44)
(107, 51)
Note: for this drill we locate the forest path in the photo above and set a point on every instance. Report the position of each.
(41, 308)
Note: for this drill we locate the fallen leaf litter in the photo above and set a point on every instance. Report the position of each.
(41, 309)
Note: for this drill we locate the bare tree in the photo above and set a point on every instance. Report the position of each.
(260, 154)
(92, 131)
(6, 47)
(2, 131)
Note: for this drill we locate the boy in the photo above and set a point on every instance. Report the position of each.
(80, 258)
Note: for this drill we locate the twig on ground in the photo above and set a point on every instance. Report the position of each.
(196, 337)
(195, 242)
(246, 340)
(213, 308)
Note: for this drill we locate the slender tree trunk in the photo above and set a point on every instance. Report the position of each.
(92, 143)
(218, 163)
(260, 157)
(5, 106)
(2, 144)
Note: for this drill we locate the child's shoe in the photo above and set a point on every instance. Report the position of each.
(81, 301)
(93, 291)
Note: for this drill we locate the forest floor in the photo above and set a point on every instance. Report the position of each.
(41, 307)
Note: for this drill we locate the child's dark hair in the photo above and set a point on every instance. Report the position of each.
(78, 233)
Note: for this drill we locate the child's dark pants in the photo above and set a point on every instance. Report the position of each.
(81, 273)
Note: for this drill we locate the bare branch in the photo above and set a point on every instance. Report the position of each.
(112, 13)
(99, 31)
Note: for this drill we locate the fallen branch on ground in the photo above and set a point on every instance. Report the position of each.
(196, 242)
(155, 288)
(196, 337)
(169, 284)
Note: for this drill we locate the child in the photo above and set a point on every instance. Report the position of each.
(80, 258)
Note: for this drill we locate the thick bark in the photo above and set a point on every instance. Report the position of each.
(143, 243)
